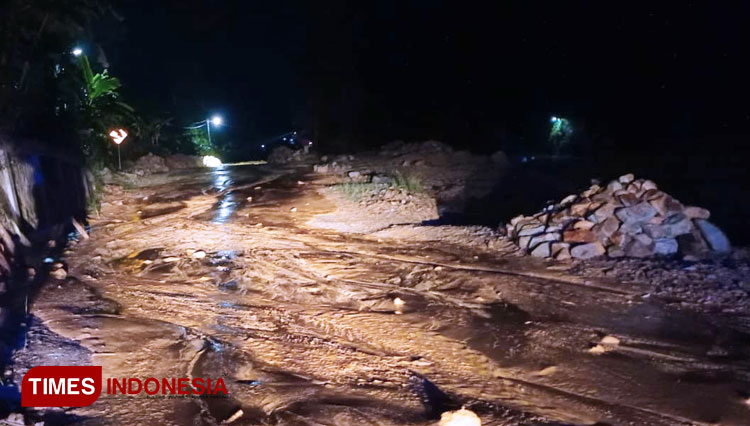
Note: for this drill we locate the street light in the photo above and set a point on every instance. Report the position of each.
(217, 121)
(77, 51)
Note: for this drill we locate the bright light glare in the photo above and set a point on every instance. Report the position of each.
(216, 120)
(211, 161)
(462, 417)
(553, 119)
(77, 51)
(262, 146)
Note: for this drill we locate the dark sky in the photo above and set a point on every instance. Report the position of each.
(484, 76)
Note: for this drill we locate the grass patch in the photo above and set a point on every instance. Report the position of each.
(357, 191)
(410, 183)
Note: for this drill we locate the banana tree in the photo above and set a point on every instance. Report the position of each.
(100, 87)
(102, 110)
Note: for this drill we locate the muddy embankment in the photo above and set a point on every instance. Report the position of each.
(41, 190)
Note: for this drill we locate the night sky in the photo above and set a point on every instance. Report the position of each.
(656, 77)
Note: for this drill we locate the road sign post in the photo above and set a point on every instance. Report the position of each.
(118, 136)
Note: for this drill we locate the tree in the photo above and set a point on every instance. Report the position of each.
(560, 133)
(151, 129)
(102, 110)
(199, 138)
(33, 37)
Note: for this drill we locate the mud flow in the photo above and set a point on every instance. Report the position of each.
(218, 274)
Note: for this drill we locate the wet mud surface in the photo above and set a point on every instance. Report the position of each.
(218, 274)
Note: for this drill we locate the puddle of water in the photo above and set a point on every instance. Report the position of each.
(497, 330)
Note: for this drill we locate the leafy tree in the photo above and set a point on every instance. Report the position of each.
(34, 35)
(560, 133)
(102, 110)
(199, 138)
(153, 129)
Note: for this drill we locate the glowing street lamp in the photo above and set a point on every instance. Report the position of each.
(77, 51)
(118, 136)
(216, 120)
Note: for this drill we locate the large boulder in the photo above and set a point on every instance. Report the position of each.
(713, 236)
(641, 212)
(588, 250)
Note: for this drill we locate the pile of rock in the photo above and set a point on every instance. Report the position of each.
(400, 148)
(285, 155)
(627, 217)
(339, 165)
(182, 161)
(149, 164)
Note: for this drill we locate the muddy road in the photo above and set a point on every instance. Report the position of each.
(218, 274)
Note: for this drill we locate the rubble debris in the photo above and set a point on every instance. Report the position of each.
(626, 218)
(720, 284)
(286, 155)
(452, 178)
(182, 161)
(149, 164)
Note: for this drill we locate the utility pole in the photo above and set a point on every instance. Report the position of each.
(208, 129)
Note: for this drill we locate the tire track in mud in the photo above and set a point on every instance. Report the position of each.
(311, 329)
(339, 325)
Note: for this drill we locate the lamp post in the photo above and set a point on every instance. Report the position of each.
(216, 121)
